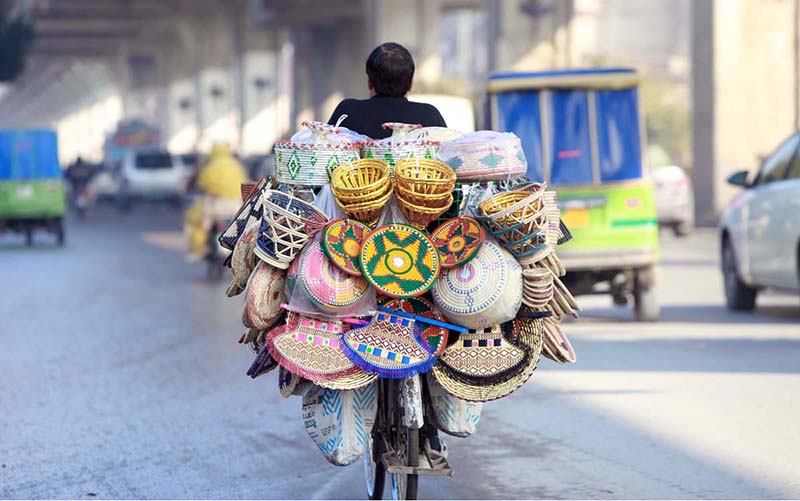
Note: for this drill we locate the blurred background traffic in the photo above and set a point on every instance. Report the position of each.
(127, 98)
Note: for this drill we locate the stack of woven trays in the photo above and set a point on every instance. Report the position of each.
(362, 189)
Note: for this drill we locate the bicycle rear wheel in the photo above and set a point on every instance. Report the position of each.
(405, 442)
(374, 470)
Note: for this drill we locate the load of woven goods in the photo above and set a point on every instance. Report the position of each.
(428, 255)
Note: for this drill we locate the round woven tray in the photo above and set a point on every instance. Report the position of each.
(328, 287)
(342, 241)
(399, 260)
(483, 291)
(458, 240)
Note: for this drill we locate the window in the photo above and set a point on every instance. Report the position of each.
(775, 166)
(794, 168)
(618, 138)
(571, 152)
(519, 112)
(155, 160)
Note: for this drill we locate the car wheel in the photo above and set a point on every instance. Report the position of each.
(682, 229)
(645, 300)
(738, 295)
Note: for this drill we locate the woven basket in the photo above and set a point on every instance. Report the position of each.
(362, 181)
(286, 226)
(368, 212)
(366, 175)
(425, 176)
(423, 198)
(399, 146)
(311, 164)
(423, 214)
(518, 219)
(483, 156)
(485, 291)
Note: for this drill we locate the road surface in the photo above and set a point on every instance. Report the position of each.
(122, 378)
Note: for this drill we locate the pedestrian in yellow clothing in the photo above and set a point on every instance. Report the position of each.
(220, 182)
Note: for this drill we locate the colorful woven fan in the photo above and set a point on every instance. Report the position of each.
(458, 240)
(327, 286)
(341, 242)
(399, 260)
(435, 336)
(486, 364)
(390, 346)
(312, 349)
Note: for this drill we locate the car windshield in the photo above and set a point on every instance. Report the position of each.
(154, 160)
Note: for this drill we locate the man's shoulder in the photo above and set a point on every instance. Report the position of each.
(352, 103)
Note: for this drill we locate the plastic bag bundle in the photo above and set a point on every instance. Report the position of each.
(340, 421)
(484, 155)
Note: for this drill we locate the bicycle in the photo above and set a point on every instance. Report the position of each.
(398, 439)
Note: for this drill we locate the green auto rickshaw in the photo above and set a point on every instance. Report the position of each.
(582, 133)
(32, 192)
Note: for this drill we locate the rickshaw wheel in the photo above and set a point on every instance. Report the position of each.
(645, 300)
(60, 232)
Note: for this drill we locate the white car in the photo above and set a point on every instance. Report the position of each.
(674, 199)
(152, 174)
(760, 229)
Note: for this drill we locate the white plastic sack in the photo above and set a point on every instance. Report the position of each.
(340, 422)
(452, 415)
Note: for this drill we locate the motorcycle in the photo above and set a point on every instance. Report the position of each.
(215, 254)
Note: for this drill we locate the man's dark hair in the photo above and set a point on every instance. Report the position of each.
(390, 69)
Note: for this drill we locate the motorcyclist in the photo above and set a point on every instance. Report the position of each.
(219, 183)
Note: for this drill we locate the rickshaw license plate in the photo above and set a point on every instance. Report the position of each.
(576, 218)
(25, 192)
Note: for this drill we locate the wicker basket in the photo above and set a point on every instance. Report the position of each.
(423, 214)
(425, 176)
(518, 219)
(368, 212)
(484, 155)
(286, 226)
(361, 181)
(311, 164)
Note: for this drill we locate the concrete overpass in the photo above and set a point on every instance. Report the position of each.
(248, 71)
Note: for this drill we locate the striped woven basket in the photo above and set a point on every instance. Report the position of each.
(311, 164)
(399, 146)
(286, 226)
(484, 155)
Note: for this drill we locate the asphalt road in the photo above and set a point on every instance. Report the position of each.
(120, 377)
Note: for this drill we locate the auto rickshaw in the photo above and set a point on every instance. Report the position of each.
(582, 133)
(32, 191)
